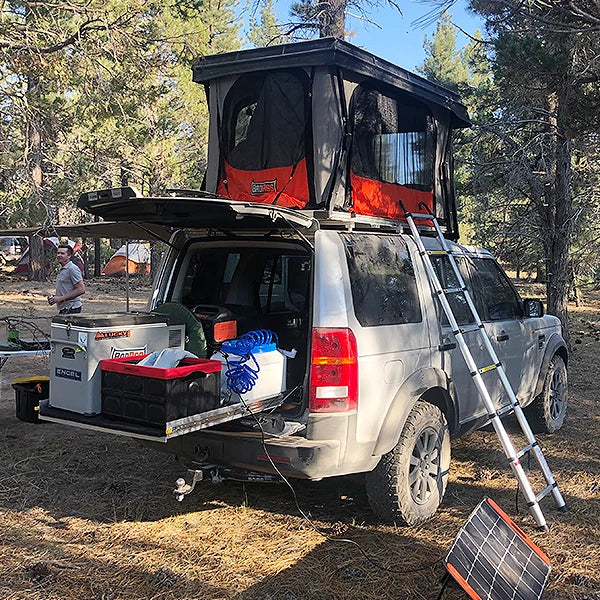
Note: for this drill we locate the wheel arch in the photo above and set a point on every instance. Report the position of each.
(426, 385)
(555, 346)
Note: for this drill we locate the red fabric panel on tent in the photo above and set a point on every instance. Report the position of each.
(378, 199)
(266, 185)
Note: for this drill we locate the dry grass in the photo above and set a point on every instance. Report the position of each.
(90, 516)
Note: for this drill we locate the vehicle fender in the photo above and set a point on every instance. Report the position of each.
(555, 345)
(409, 393)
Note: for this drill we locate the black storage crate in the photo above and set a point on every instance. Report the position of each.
(28, 393)
(155, 397)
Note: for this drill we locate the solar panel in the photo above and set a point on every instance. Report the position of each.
(492, 559)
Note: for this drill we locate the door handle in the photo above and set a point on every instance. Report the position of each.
(503, 337)
(450, 346)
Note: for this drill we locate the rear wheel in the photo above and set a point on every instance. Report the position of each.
(408, 483)
(546, 414)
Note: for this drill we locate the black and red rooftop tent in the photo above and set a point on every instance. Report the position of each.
(327, 127)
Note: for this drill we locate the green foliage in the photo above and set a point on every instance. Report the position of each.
(266, 30)
(107, 86)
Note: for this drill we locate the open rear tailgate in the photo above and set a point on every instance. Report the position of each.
(196, 210)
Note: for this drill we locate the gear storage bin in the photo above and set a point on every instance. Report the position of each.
(268, 363)
(28, 393)
(80, 342)
(157, 397)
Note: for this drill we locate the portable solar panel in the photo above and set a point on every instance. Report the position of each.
(492, 559)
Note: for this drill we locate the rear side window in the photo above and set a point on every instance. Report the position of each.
(457, 301)
(500, 299)
(382, 279)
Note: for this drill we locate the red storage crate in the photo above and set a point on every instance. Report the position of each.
(157, 397)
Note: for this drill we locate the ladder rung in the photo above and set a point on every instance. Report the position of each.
(454, 290)
(526, 449)
(488, 368)
(437, 253)
(546, 491)
(423, 216)
(505, 410)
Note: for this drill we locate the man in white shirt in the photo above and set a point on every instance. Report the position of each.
(69, 283)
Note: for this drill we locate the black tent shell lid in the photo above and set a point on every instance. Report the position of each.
(196, 210)
(334, 52)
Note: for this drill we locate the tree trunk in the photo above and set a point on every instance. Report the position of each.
(85, 255)
(97, 263)
(558, 222)
(332, 15)
(36, 258)
(576, 290)
(37, 271)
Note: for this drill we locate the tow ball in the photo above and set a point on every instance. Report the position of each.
(183, 488)
(216, 474)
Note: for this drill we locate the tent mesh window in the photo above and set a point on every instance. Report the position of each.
(393, 152)
(264, 138)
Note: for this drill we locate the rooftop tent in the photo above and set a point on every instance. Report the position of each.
(323, 125)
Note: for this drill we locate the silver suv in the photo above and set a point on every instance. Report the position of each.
(314, 150)
(377, 385)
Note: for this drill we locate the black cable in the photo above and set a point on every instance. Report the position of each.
(445, 582)
(311, 523)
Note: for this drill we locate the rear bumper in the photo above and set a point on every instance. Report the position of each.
(293, 456)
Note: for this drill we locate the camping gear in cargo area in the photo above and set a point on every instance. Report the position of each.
(155, 396)
(79, 342)
(157, 403)
(28, 393)
(253, 367)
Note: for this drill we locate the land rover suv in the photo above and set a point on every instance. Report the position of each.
(377, 384)
(316, 152)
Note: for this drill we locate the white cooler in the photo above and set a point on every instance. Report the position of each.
(80, 342)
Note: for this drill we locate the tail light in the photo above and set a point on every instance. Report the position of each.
(333, 371)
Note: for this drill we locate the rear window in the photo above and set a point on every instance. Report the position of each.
(249, 281)
(382, 279)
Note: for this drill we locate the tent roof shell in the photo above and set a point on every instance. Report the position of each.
(330, 52)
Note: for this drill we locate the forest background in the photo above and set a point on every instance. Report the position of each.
(98, 93)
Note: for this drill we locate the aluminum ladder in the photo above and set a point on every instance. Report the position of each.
(476, 372)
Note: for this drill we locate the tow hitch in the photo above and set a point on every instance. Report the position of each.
(215, 474)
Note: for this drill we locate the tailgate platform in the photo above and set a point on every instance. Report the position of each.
(109, 424)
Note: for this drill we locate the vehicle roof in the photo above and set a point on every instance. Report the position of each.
(330, 52)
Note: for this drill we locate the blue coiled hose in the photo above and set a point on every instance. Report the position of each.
(241, 376)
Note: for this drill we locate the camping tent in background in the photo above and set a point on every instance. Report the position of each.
(138, 263)
(50, 243)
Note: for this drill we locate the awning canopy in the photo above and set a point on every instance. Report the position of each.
(129, 230)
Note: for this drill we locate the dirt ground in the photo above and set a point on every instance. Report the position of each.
(85, 515)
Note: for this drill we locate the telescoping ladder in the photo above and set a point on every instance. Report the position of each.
(476, 372)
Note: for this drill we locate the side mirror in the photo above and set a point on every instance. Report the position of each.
(533, 308)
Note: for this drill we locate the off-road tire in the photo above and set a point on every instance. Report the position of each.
(546, 414)
(421, 456)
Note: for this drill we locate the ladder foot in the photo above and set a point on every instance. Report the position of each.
(543, 528)
(564, 508)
